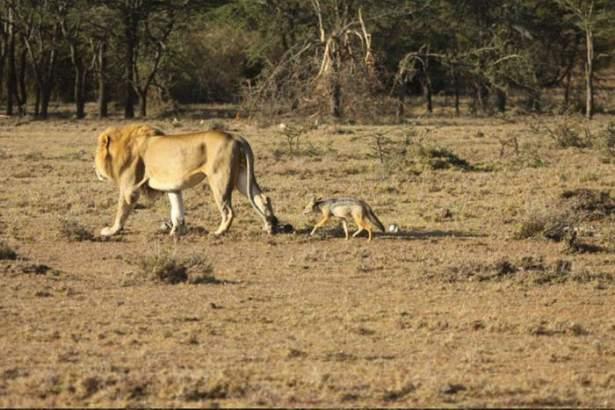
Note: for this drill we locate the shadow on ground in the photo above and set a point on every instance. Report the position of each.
(402, 235)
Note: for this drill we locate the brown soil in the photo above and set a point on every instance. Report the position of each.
(450, 311)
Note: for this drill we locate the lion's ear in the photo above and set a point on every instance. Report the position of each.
(105, 141)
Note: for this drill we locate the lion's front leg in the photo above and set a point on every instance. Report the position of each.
(125, 204)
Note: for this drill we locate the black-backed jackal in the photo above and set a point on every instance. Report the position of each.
(344, 208)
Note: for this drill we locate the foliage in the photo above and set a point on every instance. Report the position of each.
(331, 58)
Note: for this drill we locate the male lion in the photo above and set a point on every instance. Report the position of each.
(141, 158)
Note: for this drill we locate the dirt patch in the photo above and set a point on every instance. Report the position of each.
(446, 310)
(528, 269)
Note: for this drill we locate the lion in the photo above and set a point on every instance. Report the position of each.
(142, 159)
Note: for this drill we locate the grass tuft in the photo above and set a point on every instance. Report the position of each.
(6, 252)
(168, 268)
(73, 231)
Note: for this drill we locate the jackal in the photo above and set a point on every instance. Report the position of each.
(344, 208)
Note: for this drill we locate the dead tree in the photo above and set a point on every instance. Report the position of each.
(339, 50)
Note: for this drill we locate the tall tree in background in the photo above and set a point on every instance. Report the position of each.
(40, 30)
(595, 20)
(146, 28)
(73, 16)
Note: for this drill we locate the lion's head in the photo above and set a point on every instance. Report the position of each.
(118, 146)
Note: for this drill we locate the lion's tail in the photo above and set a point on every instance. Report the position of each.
(251, 180)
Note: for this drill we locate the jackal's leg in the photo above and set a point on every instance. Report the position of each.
(359, 221)
(319, 224)
(345, 226)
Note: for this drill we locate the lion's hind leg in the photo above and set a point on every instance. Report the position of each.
(177, 213)
(222, 190)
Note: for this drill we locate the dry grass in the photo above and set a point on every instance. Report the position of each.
(166, 267)
(72, 230)
(469, 304)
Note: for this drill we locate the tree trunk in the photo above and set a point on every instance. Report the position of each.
(131, 43)
(427, 92)
(21, 94)
(500, 100)
(482, 95)
(2, 66)
(11, 86)
(143, 103)
(456, 91)
(589, 75)
(399, 112)
(103, 105)
(45, 98)
(79, 91)
(567, 85)
(79, 85)
(37, 101)
(47, 84)
(335, 101)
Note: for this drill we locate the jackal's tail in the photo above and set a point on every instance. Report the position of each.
(374, 219)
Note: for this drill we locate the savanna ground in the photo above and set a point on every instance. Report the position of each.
(472, 303)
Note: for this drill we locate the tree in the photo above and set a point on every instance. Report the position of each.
(73, 16)
(595, 20)
(40, 31)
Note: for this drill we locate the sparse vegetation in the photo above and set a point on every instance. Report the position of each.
(166, 267)
(411, 154)
(72, 230)
(294, 321)
(6, 252)
(295, 144)
(564, 217)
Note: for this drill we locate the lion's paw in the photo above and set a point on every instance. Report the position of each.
(108, 231)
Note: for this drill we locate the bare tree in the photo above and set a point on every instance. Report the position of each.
(157, 30)
(41, 34)
(82, 52)
(339, 49)
(594, 18)
(11, 89)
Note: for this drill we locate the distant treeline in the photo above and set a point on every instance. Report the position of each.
(336, 58)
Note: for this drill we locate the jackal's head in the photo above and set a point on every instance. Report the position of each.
(312, 206)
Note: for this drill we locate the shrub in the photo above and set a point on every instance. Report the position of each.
(74, 231)
(168, 268)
